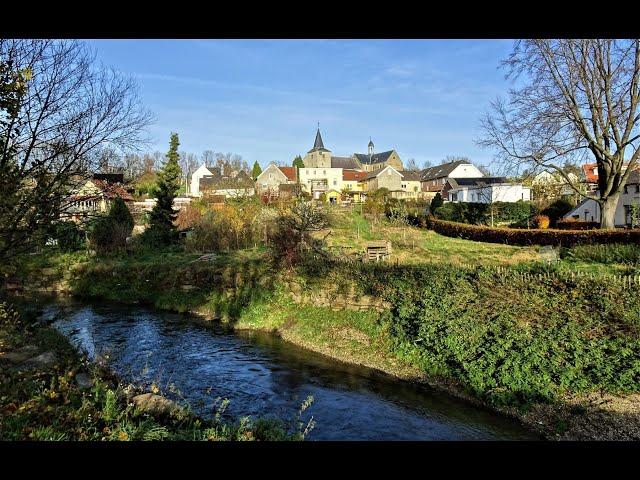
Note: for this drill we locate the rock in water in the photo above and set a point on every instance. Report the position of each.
(154, 404)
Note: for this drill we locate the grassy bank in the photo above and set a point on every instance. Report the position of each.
(43, 399)
(555, 350)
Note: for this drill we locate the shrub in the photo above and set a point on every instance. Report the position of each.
(480, 213)
(557, 210)
(573, 224)
(109, 233)
(291, 241)
(615, 253)
(68, 236)
(541, 222)
(511, 236)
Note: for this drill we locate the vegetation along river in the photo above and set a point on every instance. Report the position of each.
(262, 375)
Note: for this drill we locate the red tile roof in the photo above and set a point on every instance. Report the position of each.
(591, 177)
(290, 172)
(352, 175)
(588, 168)
(113, 190)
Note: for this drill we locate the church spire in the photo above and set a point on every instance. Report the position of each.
(318, 144)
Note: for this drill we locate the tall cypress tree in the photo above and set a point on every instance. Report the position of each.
(256, 170)
(297, 162)
(161, 230)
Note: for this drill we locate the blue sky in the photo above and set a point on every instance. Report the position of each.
(262, 99)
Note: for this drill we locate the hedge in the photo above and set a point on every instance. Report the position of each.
(566, 238)
(576, 225)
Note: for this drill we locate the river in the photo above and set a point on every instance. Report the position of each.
(262, 375)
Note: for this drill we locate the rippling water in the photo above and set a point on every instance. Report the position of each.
(263, 375)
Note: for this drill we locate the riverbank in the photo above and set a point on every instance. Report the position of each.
(50, 392)
(535, 350)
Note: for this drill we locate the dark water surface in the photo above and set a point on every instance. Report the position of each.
(262, 375)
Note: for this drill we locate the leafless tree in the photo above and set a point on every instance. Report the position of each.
(71, 109)
(427, 164)
(208, 157)
(577, 99)
(412, 165)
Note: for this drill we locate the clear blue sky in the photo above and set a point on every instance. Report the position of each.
(262, 99)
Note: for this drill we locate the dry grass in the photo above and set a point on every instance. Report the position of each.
(350, 232)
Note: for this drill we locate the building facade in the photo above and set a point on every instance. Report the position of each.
(626, 210)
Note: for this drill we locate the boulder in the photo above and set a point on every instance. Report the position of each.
(154, 404)
(20, 355)
(46, 359)
(84, 380)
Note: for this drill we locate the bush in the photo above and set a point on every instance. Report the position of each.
(541, 222)
(480, 213)
(614, 253)
(557, 210)
(109, 233)
(573, 224)
(68, 236)
(510, 236)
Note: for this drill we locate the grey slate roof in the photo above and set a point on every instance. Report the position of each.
(345, 163)
(375, 173)
(375, 158)
(410, 175)
(634, 178)
(219, 182)
(318, 145)
(440, 171)
(475, 182)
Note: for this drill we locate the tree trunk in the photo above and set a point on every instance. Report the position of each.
(608, 211)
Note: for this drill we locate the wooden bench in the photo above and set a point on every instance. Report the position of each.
(377, 250)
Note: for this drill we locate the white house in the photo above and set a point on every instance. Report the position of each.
(433, 179)
(484, 190)
(320, 180)
(195, 180)
(589, 210)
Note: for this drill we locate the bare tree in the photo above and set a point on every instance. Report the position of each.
(208, 157)
(412, 165)
(53, 132)
(577, 99)
(427, 164)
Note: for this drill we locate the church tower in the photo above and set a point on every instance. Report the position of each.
(370, 147)
(318, 156)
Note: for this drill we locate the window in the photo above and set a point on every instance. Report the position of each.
(324, 172)
(404, 185)
(335, 182)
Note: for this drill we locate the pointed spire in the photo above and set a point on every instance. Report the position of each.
(318, 144)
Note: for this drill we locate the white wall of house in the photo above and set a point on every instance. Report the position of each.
(589, 210)
(466, 170)
(331, 176)
(501, 192)
(195, 180)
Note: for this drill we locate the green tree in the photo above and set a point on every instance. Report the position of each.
(297, 162)
(436, 202)
(161, 229)
(256, 171)
(109, 233)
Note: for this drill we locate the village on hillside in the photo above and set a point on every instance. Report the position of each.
(327, 285)
(321, 177)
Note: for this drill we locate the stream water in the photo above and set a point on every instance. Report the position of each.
(262, 375)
